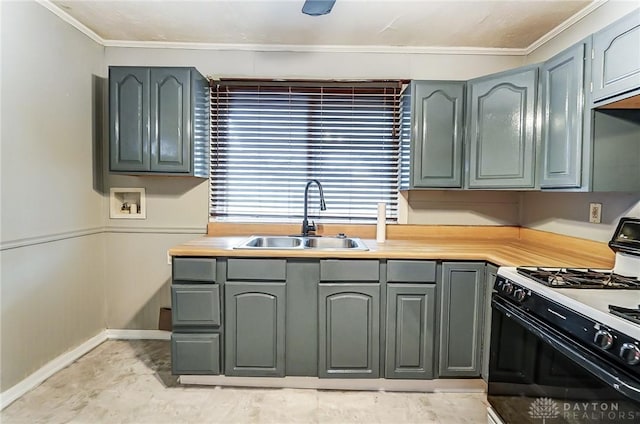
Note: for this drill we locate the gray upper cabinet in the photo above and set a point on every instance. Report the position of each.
(616, 58)
(170, 104)
(461, 319)
(349, 330)
(501, 127)
(410, 327)
(159, 121)
(254, 329)
(562, 118)
(129, 119)
(437, 134)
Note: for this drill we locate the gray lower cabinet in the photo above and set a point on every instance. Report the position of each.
(562, 118)
(437, 131)
(158, 121)
(195, 305)
(461, 318)
(195, 353)
(255, 328)
(501, 125)
(410, 327)
(195, 301)
(616, 58)
(490, 278)
(349, 330)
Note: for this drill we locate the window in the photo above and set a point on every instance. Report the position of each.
(270, 138)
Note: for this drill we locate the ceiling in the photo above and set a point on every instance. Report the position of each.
(513, 24)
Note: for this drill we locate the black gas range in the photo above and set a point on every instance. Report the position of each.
(565, 343)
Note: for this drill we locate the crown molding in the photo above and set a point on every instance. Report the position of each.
(317, 48)
(564, 25)
(62, 14)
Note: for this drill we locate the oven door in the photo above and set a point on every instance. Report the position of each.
(537, 375)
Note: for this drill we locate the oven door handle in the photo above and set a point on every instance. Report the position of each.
(608, 374)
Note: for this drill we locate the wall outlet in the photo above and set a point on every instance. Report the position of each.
(595, 213)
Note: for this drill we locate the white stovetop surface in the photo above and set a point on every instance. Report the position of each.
(592, 303)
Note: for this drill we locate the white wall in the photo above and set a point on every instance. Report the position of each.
(567, 213)
(257, 64)
(52, 245)
(452, 207)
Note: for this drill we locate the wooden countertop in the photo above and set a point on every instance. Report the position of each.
(503, 246)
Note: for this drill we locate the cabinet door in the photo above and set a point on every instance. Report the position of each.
(502, 115)
(438, 111)
(349, 324)
(490, 277)
(255, 326)
(563, 105)
(194, 270)
(616, 58)
(461, 318)
(171, 119)
(129, 119)
(410, 330)
(195, 305)
(195, 353)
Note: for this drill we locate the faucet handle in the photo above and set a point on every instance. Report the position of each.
(312, 226)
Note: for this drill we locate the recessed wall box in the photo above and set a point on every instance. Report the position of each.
(127, 203)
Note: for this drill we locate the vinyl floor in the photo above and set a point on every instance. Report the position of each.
(131, 382)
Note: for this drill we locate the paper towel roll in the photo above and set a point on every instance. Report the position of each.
(381, 227)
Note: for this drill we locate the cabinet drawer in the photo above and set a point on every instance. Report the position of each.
(257, 269)
(349, 270)
(195, 354)
(411, 271)
(195, 304)
(194, 269)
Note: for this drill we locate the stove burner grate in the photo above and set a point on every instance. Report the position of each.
(579, 278)
(632, 315)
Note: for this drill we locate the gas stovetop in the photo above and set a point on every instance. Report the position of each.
(592, 302)
(579, 278)
(631, 314)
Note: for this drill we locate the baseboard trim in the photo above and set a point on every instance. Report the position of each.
(34, 380)
(462, 385)
(116, 334)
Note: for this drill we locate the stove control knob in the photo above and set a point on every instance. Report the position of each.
(519, 294)
(507, 288)
(604, 339)
(630, 353)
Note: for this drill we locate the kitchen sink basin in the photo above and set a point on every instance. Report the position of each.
(331, 243)
(273, 242)
(302, 243)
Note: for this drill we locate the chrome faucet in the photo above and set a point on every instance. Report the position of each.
(306, 228)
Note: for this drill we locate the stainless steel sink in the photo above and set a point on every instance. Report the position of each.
(273, 242)
(331, 243)
(300, 243)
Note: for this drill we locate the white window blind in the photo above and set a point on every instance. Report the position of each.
(270, 138)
